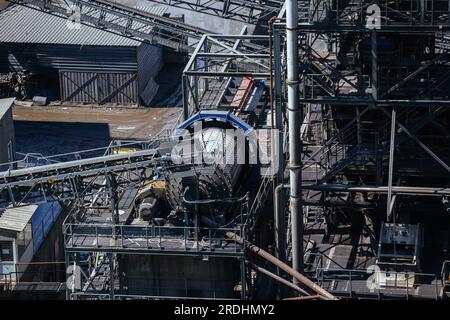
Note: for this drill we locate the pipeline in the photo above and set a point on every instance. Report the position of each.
(267, 256)
(283, 266)
(277, 278)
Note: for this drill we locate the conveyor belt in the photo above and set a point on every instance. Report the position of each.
(125, 21)
(240, 10)
(80, 168)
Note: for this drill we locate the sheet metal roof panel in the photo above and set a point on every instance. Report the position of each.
(16, 219)
(5, 105)
(20, 24)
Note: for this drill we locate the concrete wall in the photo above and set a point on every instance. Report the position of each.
(179, 276)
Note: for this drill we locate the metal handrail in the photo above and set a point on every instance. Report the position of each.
(348, 275)
(202, 237)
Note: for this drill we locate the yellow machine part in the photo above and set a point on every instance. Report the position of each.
(123, 150)
(158, 186)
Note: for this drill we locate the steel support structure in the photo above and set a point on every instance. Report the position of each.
(216, 60)
(122, 20)
(252, 11)
(347, 71)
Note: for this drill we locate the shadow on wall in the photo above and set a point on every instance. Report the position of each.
(53, 138)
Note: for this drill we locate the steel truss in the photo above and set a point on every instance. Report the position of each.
(216, 62)
(247, 11)
(407, 16)
(74, 176)
(122, 20)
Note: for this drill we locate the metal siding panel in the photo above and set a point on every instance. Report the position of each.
(40, 27)
(92, 87)
(93, 58)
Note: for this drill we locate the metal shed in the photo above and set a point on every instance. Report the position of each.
(87, 65)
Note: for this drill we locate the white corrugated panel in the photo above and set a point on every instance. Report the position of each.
(20, 24)
(16, 219)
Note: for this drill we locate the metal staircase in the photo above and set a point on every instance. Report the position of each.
(343, 149)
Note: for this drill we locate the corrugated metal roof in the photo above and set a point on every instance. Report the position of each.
(20, 24)
(5, 104)
(16, 219)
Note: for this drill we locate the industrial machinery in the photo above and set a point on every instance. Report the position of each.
(400, 246)
(363, 116)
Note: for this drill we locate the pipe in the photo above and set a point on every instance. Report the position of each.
(267, 256)
(402, 190)
(210, 201)
(277, 278)
(391, 164)
(280, 244)
(283, 266)
(295, 143)
(303, 298)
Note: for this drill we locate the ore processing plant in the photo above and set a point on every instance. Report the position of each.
(344, 100)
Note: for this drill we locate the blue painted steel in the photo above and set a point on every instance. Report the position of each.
(43, 220)
(226, 116)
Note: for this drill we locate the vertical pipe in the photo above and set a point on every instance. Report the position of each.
(391, 163)
(243, 280)
(111, 275)
(295, 146)
(67, 260)
(422, 10)
(374, 65)
(358, 126)
(186, 98)
(280, 228)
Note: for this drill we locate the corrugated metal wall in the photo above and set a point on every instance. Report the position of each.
(68, 57)
(91, 74)
(94, 87)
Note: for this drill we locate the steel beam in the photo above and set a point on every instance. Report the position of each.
(399, 190)
(249, 11)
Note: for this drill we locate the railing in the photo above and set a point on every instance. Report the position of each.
(155, 238)
(9, 281)
(115, 147)
(406, 12)
(107, 296)
(379, 284)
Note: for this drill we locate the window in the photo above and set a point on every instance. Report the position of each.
(6, 252)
